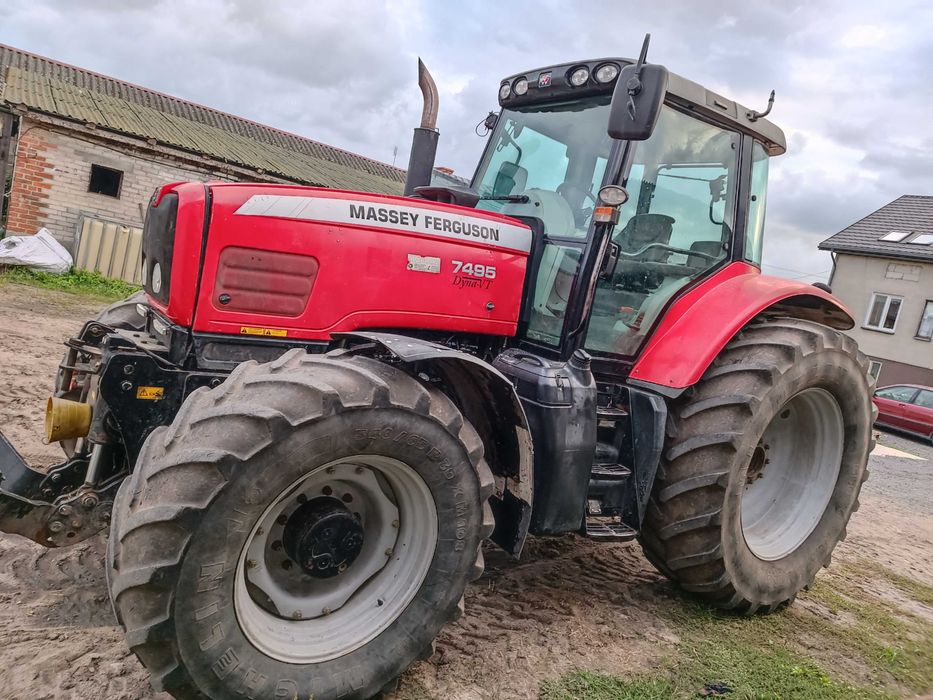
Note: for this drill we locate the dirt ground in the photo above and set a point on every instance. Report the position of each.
(568, 603)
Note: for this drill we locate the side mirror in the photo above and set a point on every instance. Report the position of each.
(636, 101)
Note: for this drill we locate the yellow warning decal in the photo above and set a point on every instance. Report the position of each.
(150, 393)
(274, 332)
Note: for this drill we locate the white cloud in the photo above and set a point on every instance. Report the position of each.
(852, 76)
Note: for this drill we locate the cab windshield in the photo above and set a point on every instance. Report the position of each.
(550, 160)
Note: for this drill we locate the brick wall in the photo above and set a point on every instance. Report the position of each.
(52, 172)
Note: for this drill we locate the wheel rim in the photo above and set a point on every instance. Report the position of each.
(323, 606)
(792, 474)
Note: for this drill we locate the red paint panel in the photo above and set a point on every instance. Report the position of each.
(700, 324)
(368, 276)
(186, 258)
(263, 281)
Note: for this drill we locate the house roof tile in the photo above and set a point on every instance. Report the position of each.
(908, 213)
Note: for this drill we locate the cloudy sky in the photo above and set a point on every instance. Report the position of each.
(854, 79)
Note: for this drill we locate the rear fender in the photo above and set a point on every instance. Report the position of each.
(697, 326)
(488, 400)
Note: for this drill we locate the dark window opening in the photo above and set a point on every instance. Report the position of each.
(105, 181)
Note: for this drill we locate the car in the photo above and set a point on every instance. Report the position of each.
(906, 407)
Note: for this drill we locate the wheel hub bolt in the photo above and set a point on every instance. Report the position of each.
(56, 526)
(250, 563)
(297, 615)
(390, 552)
(282, 519)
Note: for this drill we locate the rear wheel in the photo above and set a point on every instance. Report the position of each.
(764, 461)
(303, 530)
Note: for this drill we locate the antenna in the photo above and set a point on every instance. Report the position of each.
(633, 87)
(754, 116)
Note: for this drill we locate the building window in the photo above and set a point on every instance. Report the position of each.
(105, 181)
(882, 312)
(925, 330)
(874, 368)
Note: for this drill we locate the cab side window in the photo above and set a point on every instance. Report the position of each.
(754, 228)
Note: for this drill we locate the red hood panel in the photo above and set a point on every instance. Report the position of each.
(377, 262)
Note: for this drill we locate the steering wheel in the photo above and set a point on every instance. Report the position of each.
(564, 187)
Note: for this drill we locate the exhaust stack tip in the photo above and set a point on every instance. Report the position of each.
(431, 99)
(65, 420)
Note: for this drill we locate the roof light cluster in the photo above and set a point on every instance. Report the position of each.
(576, 77)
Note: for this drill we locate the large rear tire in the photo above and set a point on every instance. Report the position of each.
(764, 460)
(209, 572)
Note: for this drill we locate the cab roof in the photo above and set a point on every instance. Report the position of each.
(552, 83)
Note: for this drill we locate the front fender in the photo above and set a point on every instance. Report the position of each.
(698, 325)
(488, 400)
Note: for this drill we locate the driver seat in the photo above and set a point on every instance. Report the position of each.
(644, 229)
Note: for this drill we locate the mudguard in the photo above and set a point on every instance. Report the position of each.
(699, 324)
(489, 401)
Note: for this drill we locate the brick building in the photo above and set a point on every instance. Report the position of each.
(76, 144)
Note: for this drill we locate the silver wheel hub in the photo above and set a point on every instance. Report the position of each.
(792, 474)
(335, 559)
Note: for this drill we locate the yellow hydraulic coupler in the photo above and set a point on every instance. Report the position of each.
(66, 419)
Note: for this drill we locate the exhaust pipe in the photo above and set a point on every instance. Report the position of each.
(424, 141)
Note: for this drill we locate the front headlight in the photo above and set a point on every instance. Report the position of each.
(504, 91)
(156, 281)
(520, 87)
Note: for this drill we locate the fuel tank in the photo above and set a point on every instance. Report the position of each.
(304, 263)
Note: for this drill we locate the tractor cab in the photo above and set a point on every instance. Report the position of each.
(696, 181)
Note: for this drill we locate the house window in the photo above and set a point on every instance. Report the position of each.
(882, 312)
(925, 330)
(895, 236)
(874, 369)
(105, 181)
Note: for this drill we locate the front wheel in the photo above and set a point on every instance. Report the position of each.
(303, 530)
(764, 461)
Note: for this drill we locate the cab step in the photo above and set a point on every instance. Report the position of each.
(611, 472)
(602, 528)
(610, 413)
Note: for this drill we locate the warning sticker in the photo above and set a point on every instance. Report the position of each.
(271, 332)
(150, 393)
(423, 263)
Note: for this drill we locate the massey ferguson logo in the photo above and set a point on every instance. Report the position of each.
(429, 223)
(390, 217)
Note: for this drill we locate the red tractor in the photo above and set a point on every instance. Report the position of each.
(324, 402)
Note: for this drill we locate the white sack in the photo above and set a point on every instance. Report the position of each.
(41, 253)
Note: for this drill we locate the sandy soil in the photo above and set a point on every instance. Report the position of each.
(568, 603)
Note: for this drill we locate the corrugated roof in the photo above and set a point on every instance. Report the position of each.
(60, 90)
(908, 213)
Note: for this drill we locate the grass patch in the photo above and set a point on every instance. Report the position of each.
(75, 282)
(596, 686)
(853, 645)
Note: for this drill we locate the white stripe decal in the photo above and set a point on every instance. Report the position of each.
(393, 217)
